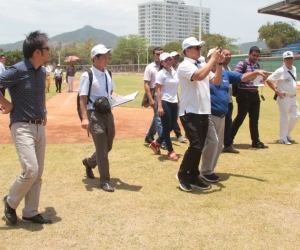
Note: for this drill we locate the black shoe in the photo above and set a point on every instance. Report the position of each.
(259, 145)
(107, 187)
(148, 140)
(10, 213)
(230, 149)
(199, 184)
(210, 177)
(88, 169)
(37, 219)
(184, 185)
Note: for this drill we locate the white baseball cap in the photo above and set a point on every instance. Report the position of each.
(174, 53)
(210, 52)
(58, 65)
(99, 49)
(288, 54)
(191, 41)
(164, 56)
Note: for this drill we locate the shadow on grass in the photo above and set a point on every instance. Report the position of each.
(115, 182)
(49, 213)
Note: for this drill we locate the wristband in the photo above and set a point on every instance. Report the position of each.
(219, 63)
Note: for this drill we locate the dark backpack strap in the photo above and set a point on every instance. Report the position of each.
(90, 73)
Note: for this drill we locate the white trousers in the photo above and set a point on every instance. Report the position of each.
(30, 143)
(213, 144)
(70, 82)
(288, 106)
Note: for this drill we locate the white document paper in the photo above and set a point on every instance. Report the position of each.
(258, 81)
(120, 100)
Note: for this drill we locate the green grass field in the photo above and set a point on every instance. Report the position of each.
(255, 206)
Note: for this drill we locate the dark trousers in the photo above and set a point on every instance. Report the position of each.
(168, 121)
(228, 124)
(195, 127)
(58, 82)
(247, 102)
(177, 130)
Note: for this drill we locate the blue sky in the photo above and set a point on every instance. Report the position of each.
(233, 18)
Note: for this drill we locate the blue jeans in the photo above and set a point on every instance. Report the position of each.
(155, 124)
(168, 120)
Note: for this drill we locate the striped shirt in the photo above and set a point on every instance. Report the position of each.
(250, 68)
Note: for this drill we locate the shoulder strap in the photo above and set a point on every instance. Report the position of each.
(292, 75)
(244, 67)
(90, 73)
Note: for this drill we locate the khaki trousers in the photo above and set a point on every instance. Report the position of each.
(30, 143)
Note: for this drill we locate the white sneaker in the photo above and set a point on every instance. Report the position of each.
(181, 139)
(290, 139)
(281, 141)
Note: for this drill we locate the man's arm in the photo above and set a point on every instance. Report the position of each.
(252, 75)
(6, 106)
(273, 86)
(148, 93)
(85, 121)
(45, 108)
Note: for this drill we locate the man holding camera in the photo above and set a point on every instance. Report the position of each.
(100, 125)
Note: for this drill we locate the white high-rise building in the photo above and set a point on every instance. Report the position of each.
(165, 21)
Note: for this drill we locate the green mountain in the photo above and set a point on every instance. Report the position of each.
(80, 35)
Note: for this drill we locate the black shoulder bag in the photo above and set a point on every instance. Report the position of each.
(102, 104)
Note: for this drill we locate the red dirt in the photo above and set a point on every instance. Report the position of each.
(64, 125)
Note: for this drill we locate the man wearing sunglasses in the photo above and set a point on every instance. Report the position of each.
(284, 79)
(195, 107)
(28, 118)
(149, 85)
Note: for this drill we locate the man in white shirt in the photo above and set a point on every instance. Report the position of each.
(284, 79)
(2, 69)
(195, 107)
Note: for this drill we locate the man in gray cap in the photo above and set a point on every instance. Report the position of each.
(101, 126)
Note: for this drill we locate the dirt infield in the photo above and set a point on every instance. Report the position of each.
(64, 125)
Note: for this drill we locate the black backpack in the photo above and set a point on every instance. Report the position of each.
(235, 87)
(88, 100)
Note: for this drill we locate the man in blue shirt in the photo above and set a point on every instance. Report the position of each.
(219, 109)
(25, 82)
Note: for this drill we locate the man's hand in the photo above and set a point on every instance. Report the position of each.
(160, 111)
(85, 124)
(263, 73)
(6, 109)
(217, 56)
(152, 103)
(45, 121)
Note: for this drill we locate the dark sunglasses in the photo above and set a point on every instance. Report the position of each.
(46, 48)
(169, 59)
(195, 47)
(158, 54)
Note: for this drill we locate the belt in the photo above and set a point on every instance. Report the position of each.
(221, 116)
(287, 95)
(37, 121)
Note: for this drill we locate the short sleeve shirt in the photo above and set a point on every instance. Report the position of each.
(98, 87)
(169, 83)
(150, 73)
(195, 95)
(283, 79)
(26, 86)
(250, 68)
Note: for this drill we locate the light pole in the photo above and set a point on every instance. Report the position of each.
(138, 54)
(58, 57)
(147, 52)
(200, 20)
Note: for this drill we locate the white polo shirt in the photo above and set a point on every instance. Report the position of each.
(285, 82)
(150, 73)
(169, 84)
(98, 87)
(195, 95)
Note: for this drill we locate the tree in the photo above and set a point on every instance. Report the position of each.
(129, 50)
(173, 46)
(214, 40)
(12, 57)
(278, 35)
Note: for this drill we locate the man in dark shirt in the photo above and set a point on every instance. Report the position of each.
(26, 84)
(248, 101)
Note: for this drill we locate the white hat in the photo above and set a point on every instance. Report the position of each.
(191, 41)
(288, 54)
(201, 59)
(58, 65)
(174, 53)
(99, 49)
(210, 52)
(164, 56)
